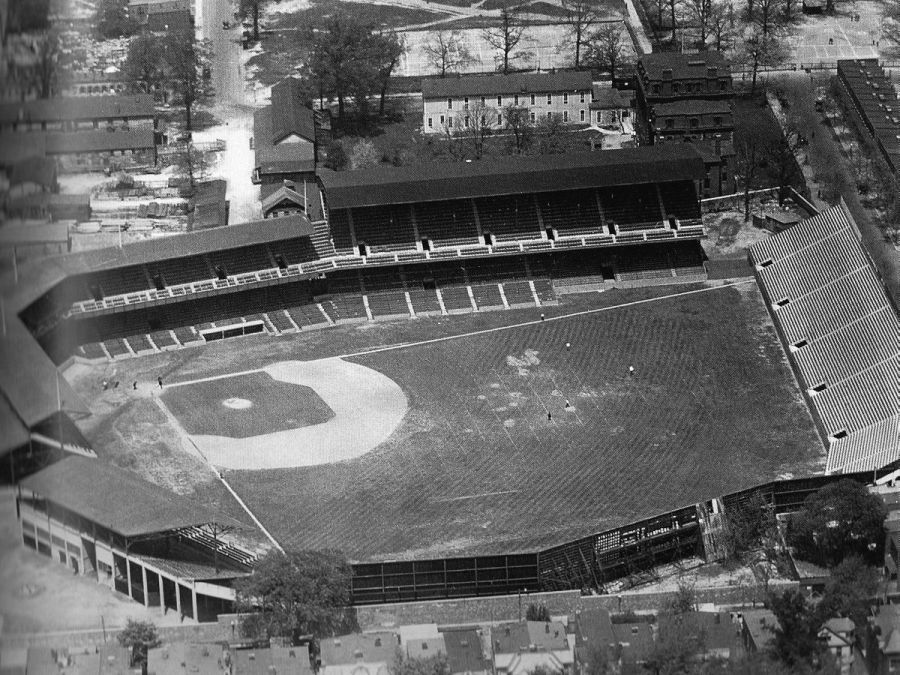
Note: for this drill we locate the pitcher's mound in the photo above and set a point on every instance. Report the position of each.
(237, 403)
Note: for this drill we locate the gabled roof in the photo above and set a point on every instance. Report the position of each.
(90, 487)
(272, 661)
(592, 627)
(366, 647)
(289, 115)
(281, 194)
(760, 625)
(496, 85)
(13, 433)
(510, 638)
(284, 158)
(610, 98)
(510, 175)
(465, 652)
(178, 658)
(78, 108)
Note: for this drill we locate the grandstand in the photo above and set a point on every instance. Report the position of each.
(841, 330)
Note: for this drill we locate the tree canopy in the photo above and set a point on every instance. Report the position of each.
(840, 520)
(113, 20)
(139, 637)
(299, 593)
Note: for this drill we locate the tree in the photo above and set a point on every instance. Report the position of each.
(607, 48)
(796, 641)
(749, 523)
(768, 17)
(446, 51)
(113, 20)
(684, 600)
(537, 612)
(760, 50)
(550, 133)
(251, 8)
(580, 17)
(336, 157)
(139, 637)
(47, 65)
(840, 520)
(27, 16)
(476, 124)
(385, 50)
(364, 155)
(300, 593)
(850, 590)
(186, 61)
(193, 163)
(517, 121)
(722, 24)
(701, 12)
(145, 61)
(603, 659)
(751, 138)
(506, 36)
(679, 643)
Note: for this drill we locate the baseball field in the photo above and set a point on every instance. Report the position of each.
(497, 432)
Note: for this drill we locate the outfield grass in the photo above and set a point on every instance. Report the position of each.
(213, 407)
(477, 467)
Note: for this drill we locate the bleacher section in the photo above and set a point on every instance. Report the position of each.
(281, 321)
(653, 264)
(182, 270)
(509, 217)
(387, 304)
(570, 213)
(518, 293)
(456, 299)
(384, 228)
(241, 260)
(424, 301)
(163, 339)
(121, 280)
(631, 207)
(686, 260)
(447, 223)
(841, 331)
(339, 224)
(294, 251)
(487, 296)
(680, 200)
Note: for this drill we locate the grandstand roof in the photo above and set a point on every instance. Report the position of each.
(833, 310)
(78, 108)
(118, 499)
(13, 433)
(511, 175)
(516, 83)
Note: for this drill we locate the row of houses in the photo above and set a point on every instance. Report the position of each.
(868, 91)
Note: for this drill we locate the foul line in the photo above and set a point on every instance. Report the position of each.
(535, 322)
(485, 494)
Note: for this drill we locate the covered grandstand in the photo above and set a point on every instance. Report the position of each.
(841, 330)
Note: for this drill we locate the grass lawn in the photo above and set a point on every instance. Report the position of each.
(477, 467)
(246, 405)
(387, 16)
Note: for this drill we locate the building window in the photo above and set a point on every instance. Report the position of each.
(549, 99)
(582, 97)
(565, 115)
(499, 119)
(449, 104)
(723, 85)
(442, 120)
(565, 98)
(582, 115)
(706, 182)
(449, 122)
(532, 99)
(466, 103)
(466, 122)
(532, 117)
(430, 123)
(516, 99)
(717, 121)
(694, 123)
(670, 123)
(482, 101)
(499, 100)
(549, 115)
(655, 88)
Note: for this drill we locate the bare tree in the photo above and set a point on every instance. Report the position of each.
(506, 36)
(475, 125)
(386, 50)
(550, 133)
(701, 12)
(446, 51)
(759, 50)
(581, 15)
(193, 163)
(673, 6)
(607, 48)
(722, 23)
(47, 63)
(767, 17)
(517, 121)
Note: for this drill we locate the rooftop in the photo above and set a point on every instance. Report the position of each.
(684, 66)
(511, 175)
(465, 652)
(78, 108)
(88, 487)
(289, 115)
(99, 141)
(692, 107)
(359, 647)
(496, 85)
(514, 637)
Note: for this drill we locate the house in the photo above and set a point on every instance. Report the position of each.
(177, 658)
(593, 631)
(163, 22)
(758, 628)
(283, 200)
(611, 107)
(883, 641)
(635, 638)
(686, 98)
(520, 648)
(421, 641)
(82, 113)
(359, 654)
(209, 206)
(465, 652)
(839, 636)
(142, 10)
(100, 150)
(271, 661)
(720, 164)
(448, 102)
(287, 136)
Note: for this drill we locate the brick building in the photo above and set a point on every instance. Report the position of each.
(448, 101)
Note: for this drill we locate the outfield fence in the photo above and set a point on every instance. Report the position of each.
(627, 553)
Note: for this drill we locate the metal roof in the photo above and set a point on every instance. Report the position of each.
(511, 175)
(289, 115)
(516, 83)
(118, 499)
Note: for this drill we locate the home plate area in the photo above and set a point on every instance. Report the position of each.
(288, 414)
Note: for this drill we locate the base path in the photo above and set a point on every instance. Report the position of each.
(367, 407)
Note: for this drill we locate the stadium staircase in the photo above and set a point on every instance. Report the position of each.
(225, 550)
(713, 529)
